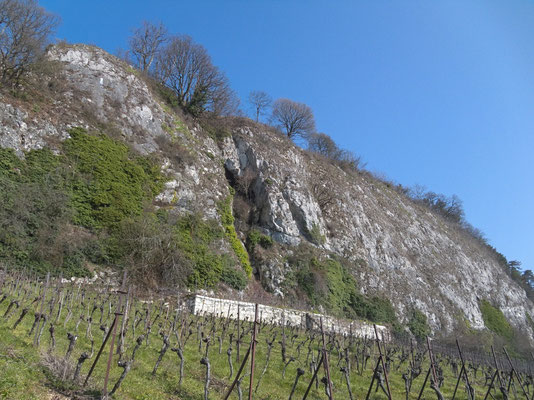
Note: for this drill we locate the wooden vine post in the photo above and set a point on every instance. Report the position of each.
(41, 309)
(382, 361)
(326, 365)
(463, 371)
(111, 332)
(253, 346)
(251, 349)
(495, 375)
(514, 371)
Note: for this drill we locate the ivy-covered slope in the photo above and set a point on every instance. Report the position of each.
(54, 204)
(94, 203)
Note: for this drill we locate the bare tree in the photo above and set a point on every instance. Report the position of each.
(25, 28)
(323, 193)
(260, 101)
(186, 68)
(145, 43)
(296, 119)
(349, 161)
(417, 192)
(323, 144)
(449, 207)
(454, 209)
(224, 101)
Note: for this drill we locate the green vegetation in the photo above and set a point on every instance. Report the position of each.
(315, 235)
(495, 320)
(418, 325)
(329, 284)
(255, 237)
(95, 184)
(92, 203)
(178, 127)
(234, 278)
(163, 250)
(8, 162)
(22, 374)
(194, 237)
(113, 182)
(167, 95)
(30, 372)
(35, 213)
(227, 219)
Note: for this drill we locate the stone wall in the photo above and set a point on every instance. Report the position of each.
(203, 305)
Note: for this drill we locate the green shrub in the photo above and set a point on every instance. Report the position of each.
(97, 251)
(194, 237)
(9, 162)
(380, 309)
(307, 281)
(495, 320)
(42, 165)
(168, 96)
(315, 235)
(34, 211)
(234, 278)
(255, 237)
(162, 249)
(74, 265)
(328, 283)
(342, 287)
(418, 325)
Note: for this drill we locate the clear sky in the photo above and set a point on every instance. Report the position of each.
(437, 93)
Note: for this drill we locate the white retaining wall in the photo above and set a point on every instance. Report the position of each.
(203, 305)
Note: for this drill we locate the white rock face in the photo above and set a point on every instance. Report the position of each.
(410, 255)
(21, 132)
(110, 94)
(398, 249)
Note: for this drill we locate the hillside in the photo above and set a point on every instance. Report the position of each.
(230, 197)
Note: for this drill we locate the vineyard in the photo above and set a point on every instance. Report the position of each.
(56, 338)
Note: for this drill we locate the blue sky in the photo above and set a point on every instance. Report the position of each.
(437, 93)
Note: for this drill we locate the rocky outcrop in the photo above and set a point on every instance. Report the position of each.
(22, 132)
(100, 92)
(398, 249)
(409, 254)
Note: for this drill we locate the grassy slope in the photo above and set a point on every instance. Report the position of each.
(26, 376)
(22, 376)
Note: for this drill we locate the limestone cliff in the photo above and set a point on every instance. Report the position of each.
(396, 248)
